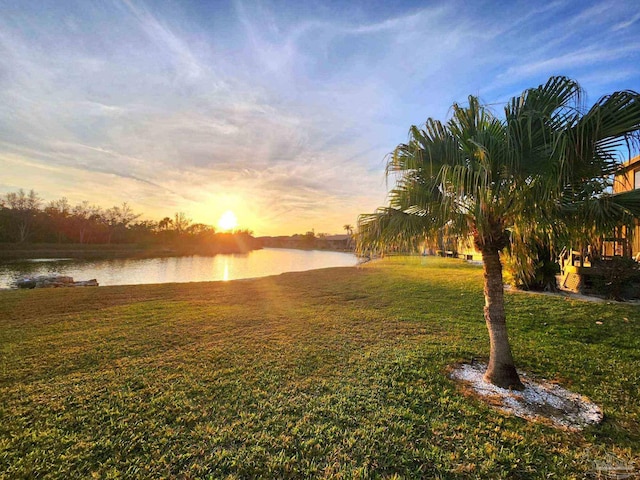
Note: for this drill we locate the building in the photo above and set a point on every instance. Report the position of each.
(628, 178)
(577, 272)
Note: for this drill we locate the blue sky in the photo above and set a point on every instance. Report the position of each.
(280, 111)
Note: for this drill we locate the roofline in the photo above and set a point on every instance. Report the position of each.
(626, 166)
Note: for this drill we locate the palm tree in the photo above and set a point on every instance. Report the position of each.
(349, 229)
(507, 180)
(165, 223)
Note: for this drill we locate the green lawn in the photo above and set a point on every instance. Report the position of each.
(336, 373)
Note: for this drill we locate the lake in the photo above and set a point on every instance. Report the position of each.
(258, 263)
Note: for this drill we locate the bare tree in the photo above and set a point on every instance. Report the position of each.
(117, 219)
(23, 208)
(84, 216)
(59, 213)
(181, 222)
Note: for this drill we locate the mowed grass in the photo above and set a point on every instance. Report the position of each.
(336, 373)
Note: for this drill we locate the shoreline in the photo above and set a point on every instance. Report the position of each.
(14, 252)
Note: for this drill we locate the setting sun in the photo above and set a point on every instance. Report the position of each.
(228, 221)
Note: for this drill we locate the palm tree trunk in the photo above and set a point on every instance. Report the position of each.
(501, 370)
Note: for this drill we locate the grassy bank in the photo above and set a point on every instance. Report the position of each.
(332, 373)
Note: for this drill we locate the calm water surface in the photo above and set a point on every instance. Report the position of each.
(259, 263)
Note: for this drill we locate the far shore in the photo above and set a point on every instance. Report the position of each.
(99, 251)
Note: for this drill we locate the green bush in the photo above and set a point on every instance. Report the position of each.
(532, 267)
(617, 278)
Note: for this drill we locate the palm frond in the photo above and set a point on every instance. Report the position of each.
(543, 172)
(389, 227)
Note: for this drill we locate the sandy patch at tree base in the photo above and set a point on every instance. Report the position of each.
(539, 401)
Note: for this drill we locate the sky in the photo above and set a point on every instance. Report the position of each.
(281, 111)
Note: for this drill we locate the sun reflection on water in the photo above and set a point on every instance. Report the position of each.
(225, 274)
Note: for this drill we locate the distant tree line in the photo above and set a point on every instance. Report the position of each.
(26, 218)
(311, 241)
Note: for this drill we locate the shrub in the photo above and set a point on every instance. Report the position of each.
(617, 277)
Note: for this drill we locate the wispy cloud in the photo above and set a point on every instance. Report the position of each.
(626, 23)
(161, 35)
(585, 57)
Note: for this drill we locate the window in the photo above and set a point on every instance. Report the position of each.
(636, 179)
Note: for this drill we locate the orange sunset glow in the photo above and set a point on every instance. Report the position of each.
(228, 221)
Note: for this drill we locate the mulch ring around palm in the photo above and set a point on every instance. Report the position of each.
(541, 400)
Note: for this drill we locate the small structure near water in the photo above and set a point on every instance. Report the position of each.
(53, 281)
